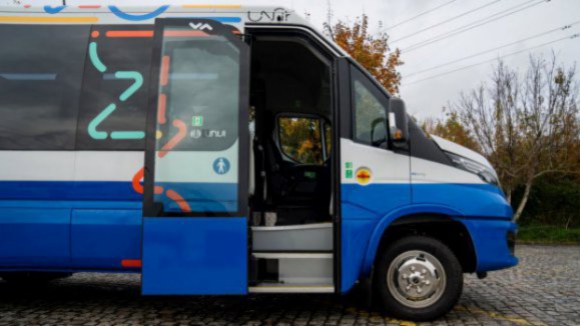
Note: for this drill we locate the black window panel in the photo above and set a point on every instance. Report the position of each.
(203, 91)
(41, 69)
(120, 49)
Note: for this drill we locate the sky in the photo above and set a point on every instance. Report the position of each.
(426, 98)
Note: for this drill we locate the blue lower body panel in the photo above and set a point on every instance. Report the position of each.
(102, 238)
(32, 237)
(190, 256)
(490, 242)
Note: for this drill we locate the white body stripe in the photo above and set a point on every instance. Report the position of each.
(452, 147)
(424, 171)
(37, 166)
(69, 166)
(385, 166)
(389, 167)
(107, 166)
(114, 166)
(197, 166)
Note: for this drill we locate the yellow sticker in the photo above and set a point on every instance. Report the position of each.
(363, 176)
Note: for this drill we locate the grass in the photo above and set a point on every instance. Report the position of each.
(548, 234)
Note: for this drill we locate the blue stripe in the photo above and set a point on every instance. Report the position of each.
(132, 17)
(472, 200)
(68, 190)
(202, 197)
(72, 204)
(53, 10)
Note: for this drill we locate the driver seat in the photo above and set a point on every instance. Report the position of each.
(299, 193)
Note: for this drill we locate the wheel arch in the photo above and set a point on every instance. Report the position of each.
(434, 221)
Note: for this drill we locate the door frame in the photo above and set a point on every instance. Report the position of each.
(340, 103)
(189, 252)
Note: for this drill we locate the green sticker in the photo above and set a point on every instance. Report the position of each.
(349, 174)
(348, 165)
(197, 121)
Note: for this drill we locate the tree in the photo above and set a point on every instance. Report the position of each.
(451, 129)
(554, 200)
(527, 127)
(371, 51)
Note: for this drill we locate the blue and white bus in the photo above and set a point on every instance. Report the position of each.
(228, 150)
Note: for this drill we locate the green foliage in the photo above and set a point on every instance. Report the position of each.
(549, 234)
(554, 200)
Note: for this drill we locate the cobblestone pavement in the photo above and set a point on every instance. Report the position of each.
(543, 290)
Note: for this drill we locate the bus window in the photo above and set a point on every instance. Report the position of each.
(41, 69)
(115, 93)
(301, 140)
(369, 108)
(203, 92)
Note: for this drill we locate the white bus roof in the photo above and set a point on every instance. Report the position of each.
(236, 15)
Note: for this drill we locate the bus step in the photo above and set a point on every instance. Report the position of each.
(280, 272)
(292, 255)
(291, 288)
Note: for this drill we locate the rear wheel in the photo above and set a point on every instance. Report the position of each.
(32, 278)
(418, 278)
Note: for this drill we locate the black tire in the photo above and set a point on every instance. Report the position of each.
(397, 298)
(32, 278)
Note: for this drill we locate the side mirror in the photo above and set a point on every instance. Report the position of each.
(398, 123)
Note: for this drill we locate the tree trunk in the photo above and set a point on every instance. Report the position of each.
(508, 195)
(524, 201)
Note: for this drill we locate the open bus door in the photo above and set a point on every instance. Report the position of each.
(195, 232)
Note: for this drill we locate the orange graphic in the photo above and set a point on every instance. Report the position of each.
(162, 107)
(175, 140)
(165, 70)
(131, 263)
(179, 200)
(129, 34)
(363, 176)
(137, 183)
(183, 33)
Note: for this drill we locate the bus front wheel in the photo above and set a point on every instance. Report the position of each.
(418, 278)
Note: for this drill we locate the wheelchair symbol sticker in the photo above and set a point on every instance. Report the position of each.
(221, 165)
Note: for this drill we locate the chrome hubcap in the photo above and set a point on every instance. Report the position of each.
(416, 279)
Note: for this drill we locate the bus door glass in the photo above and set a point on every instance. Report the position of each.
(195, 203)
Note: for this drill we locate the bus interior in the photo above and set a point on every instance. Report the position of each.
(291, 205)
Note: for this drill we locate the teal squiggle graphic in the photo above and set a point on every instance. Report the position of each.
(128, 135)
(94, 56)
(97, 121)
(137, 77)
(134, 88)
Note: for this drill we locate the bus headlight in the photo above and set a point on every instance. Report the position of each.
(483, 172)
